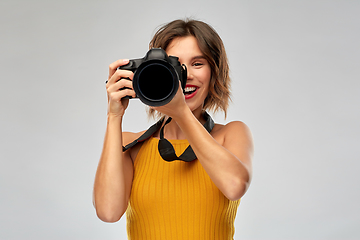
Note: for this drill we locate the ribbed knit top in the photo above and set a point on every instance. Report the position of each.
(176, 200)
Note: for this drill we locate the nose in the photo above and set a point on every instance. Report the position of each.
(189, 74)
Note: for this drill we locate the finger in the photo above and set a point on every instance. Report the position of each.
(113, 66)
(119, 74)
(117, 96)
(122, 83)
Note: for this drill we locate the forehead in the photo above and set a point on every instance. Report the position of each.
(184, 47)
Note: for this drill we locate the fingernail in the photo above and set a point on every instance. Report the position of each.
(126, 60)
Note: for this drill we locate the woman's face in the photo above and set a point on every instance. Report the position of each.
(198, 70)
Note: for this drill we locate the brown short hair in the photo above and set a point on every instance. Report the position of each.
(213, 49)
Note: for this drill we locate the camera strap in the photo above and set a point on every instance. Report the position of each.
(166, 149)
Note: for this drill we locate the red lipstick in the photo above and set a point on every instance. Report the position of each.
(190, 91)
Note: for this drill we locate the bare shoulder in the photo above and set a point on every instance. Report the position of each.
(232, 131)
(129, 137)
(231, 127)
(237, 126)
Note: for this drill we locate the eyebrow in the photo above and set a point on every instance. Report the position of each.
(199, 57)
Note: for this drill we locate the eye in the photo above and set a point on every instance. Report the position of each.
(197, 64)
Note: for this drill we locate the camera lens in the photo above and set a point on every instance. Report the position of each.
(156, 83)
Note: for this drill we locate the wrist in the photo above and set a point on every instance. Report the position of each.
(182, 114)
(114, 118)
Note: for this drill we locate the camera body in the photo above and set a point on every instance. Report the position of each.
(156, 77)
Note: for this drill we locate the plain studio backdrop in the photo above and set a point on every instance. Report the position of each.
(295, 72)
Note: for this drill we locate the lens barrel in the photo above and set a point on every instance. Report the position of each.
(155, 82)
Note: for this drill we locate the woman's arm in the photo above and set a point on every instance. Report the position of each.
(225, 157)
(114, 174)
(227, 163)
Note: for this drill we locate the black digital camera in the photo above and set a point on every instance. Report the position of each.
(156, 77)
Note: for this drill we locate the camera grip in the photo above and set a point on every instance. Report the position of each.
(132, 65)
(126, 97)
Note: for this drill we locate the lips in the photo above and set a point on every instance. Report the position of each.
(190, 91)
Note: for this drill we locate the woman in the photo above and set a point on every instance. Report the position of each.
(177, 200)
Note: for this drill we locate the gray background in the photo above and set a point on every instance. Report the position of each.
(295, 70)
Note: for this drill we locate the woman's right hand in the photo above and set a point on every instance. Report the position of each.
(119, 79)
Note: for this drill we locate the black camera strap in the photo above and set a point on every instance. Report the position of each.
(166, 149)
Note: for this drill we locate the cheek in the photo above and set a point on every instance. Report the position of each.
(206, 76)
(208, 80)
(206, 86)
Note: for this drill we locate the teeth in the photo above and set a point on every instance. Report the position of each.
(190, 89)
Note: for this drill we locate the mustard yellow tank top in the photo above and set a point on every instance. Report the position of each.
(176, 200)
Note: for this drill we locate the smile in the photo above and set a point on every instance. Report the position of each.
(190, 91)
